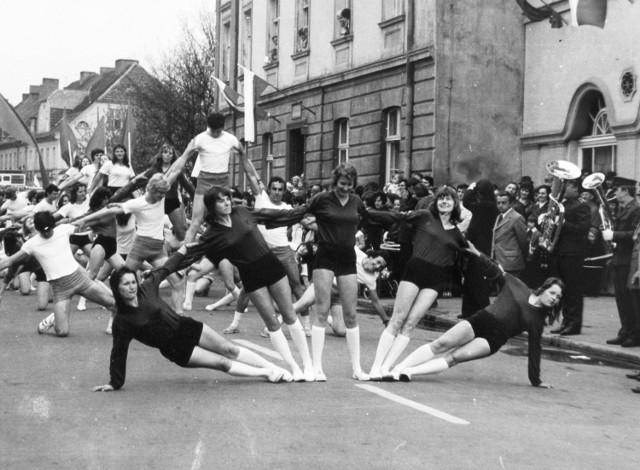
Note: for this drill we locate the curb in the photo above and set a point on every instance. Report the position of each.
(433, 320)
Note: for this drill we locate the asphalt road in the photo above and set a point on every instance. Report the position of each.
(477, 415)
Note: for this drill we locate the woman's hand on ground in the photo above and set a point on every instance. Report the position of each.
(103, 388)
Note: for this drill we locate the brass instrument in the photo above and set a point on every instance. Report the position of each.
(594, 181)
(551, 222)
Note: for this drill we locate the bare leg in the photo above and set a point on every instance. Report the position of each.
(198, 212)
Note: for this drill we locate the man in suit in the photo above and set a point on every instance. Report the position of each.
(568, 257)
(509, 245)
(627, 220)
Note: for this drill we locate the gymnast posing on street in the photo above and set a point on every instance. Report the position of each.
(516, 309)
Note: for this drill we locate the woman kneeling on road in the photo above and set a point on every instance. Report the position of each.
(516, 309)
(144, 316)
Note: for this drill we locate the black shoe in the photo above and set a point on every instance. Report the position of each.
(617, 341)
(630, 343)
(558, 329)
(636, 390)
(570, 331)
(635, 376)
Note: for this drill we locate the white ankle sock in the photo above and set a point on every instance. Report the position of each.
(384, 345)
(317, 345)
(300, 340)
(189, 290)
(245, 370)
(353, 344)
(432, 367)
(399, 345)
(280, 344)
(237, 316)
(253, 359)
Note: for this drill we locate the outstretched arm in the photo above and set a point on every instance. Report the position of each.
(11, 260)
(179, 164)
(257, 186)
(102, 213)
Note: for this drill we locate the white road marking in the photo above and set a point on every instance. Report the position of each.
(199, 451)
(260, 349)
(412, 404)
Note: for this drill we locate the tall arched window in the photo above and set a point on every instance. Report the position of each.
(342, 140)
(392, 140)
(598, 148)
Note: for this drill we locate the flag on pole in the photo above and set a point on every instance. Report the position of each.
(129, 134)
(13, 125)
(99, 138)
(588, 12)
(253, 88)
(68, 141)
(233, 99)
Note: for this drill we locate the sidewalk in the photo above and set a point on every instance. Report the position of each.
(600, 323)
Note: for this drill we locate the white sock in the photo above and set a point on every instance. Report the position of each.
(226, 300)
(353, 344)
(317, 345)
(189, 290)
(432, 367)
(82, 303)
(399, 345)
(384, 345)
(419, 356)
(245, 370)
(280, 344)
(253, 359)
(300, 340)
(237, 316)
(236, 293)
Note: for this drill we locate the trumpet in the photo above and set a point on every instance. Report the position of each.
(594, 181)
(553, 219)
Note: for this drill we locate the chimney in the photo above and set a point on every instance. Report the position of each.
(49, 85)
(123, 64)
(85, 75)
(25, 96)
(104, 70)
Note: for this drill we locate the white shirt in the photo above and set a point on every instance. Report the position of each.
(275, 236)
(88, 173)
(149, 217)
(44, 206)
(125, 235)
(364, 277)
(71, 211)
(119, 175)
(214, 153)
(53, 254)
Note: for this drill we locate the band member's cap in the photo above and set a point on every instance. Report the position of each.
(621, 181)
(43, 221)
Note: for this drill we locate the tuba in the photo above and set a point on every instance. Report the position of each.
(594, 181)
(551, 222)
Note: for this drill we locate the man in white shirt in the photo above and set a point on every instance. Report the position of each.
(48, 202)
(214, 147)
(52, 250)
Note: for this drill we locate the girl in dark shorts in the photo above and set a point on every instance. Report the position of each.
(232, 234)
(436, 246)
(144, 316)
(516, 309)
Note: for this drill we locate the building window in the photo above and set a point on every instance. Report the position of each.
(342, 131)
(273, 30)
(392, 143)
(598, 150)
(302, 25)
(226, 50)
(343, 19)
(392, 9)
(246, 34)
(267, 157)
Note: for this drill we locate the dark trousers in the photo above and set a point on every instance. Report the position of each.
(570, 270)
(624, 302)
(475, 290)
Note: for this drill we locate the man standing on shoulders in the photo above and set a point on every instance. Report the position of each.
(568, 257)
(214, 148)
(509, 236)
(627, 220)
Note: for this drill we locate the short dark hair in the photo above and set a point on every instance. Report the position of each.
(43, 221)
(629, 189)
(95, 152)
(52, 188)
(100, 194)
(215, 121)
(506, 194)
(348, 171)
(277, 179)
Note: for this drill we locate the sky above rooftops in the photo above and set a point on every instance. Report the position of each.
(61, 38)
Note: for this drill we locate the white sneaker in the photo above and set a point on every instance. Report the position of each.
(309, 374)
(82, 304)
(361, 376)
(210, 307)
(187, 306)
(46, 324)
(109, 329)
(298, 375)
